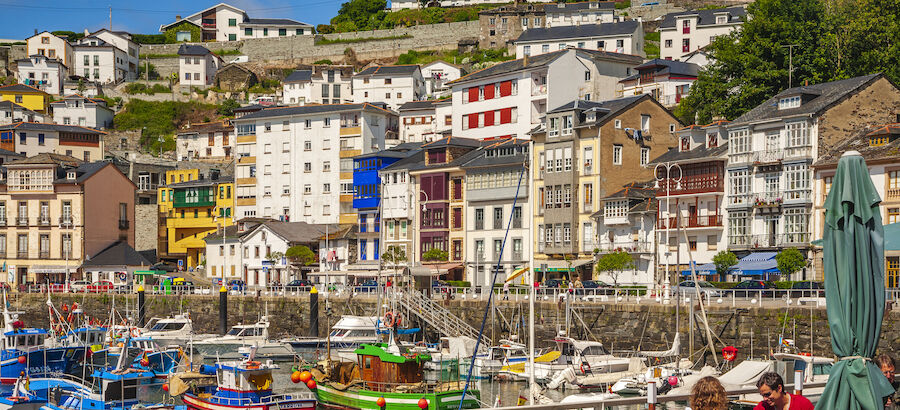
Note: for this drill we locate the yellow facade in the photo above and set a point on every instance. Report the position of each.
(190, 208)
(36, 100)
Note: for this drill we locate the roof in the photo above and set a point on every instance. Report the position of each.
(823, 97)
(202, 182)
(580, 31)
(541, 60)
(579, 7)
(212, 126)
(274, 22)
(310, 109)
(231, 231)
(389, 70)
(192, 50)
(299, 76)
(84, 171)
(701, 152)
(48, 158)
(43, 126)
(605, 109)
(408, 162)
(635, 190)
(859, 142)
(482, 160)
(298, 232)
(20, 88)
(417, 105)
(201, 12)
(450, 142)
(400, 151)
(8, 153)
(11, 105)
(706, 17)
(117, 254)
(669, 67)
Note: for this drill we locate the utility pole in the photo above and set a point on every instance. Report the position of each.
(110, 18)
(790, 48)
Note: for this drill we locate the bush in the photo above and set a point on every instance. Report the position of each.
(149, 38)
(141, 88)
(226, 109)
(227, 52)
(325, 61)
(459, 283)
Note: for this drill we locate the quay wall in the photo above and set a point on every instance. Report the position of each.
(619, 326)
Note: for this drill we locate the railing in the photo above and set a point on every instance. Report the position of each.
(22, 220)
(44, 220)
(65, 221)
(3, 222)
(740, 200)
(741, 158)
(769, 156)
(798, 195)
(437, 316)
(539, 90)
(778, 240)
(44, 254)
(798, 152)
(892, 193)
(22, 254)
(625, 246)
(695, 221)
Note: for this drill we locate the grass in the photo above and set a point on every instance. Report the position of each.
(453, 57)
(360, 40)
(155, 118)
(651, 44)
(160, 56)
(224, 52)
(141, 88)
(623, 5)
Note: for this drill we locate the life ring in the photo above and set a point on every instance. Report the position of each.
(729, 353)
(585, 368)
(123, 276)
(389, 319)
(398, 318)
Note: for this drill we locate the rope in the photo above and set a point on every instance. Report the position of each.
(867, 359)
(493, 281)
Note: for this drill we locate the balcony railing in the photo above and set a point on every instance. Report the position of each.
(22, 220)
(22, 254)
(44, 220)
(693, 185)
(539, 90)
(625, 246)
(798, 152)
(892, 193)
(798, 195)
(741, 158)
(770, 240)
(696, 221)
(65, 221)
(44, 254)
(766, 157)
(740, 200)
(3, 222)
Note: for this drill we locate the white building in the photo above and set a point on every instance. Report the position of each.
(685, 32)
(574, 14)
(102, 62)
(497, 187)
(626, 37)
(224, 22)
(398, 211)
(692, 202)
(11, 112)
(31, 138)
(51, 46)
(82, 111)
(393, 85)
(43, 73)
(437, 74)
(197, 65)
(320, 84)
(210, 140)
(512, 97)
(263, 245)
(625, 223)
(667, 81)
(415, 4)
(419, 122)
(296, 163)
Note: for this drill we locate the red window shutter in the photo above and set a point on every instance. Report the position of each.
(488, 118)
(473, 94)
(473, 121)
(457, 217)
(488, 91)
(505, 88)
(506, 116)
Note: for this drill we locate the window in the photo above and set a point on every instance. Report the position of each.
(479, 218)
(796, 227)
(618, 124)
(893, 215)
(524, 22)
(739, 142)
(668, 43)
(588, 194)
(797, 134)
(327, 122)
(282, 32)
(545, 48)
(526, 50)
(738, 228)
(326, 166)
(789, 102)
(307, 167)
(326, 188)
(567, 125)
(645, 123)
(588, 160)
(265, 32)
(285, 168)
(615, 209)
(498, 218)
(797, 181)
(645, 155)
(740, 187)
(617, 154)
(553, 129)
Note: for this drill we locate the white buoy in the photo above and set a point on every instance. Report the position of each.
(719, 301)
(753, 301)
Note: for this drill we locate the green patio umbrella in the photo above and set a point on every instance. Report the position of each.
(854, 288)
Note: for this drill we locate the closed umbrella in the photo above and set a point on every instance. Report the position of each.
(854, 288)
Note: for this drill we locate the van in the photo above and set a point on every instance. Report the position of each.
(240, 59)
(263, 100)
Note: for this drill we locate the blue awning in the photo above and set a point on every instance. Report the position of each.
(757, 264)
(705, 269)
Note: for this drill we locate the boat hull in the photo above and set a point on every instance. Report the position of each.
(366, 399)
(196, 403)
(39, 363)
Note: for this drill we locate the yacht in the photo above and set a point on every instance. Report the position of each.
(246, 336)
(348, 333)
(171, 331)
(584, 357)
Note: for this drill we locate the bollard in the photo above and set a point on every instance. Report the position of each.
(223, 310)
(651, 395)
(798, 382)
(314, 312)
(142, 307)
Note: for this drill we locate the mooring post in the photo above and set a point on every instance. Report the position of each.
(142, 311)
(223, 310)
(314, 312)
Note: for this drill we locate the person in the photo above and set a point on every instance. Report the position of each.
(886, 364)
(771, 388)
(506, 291)
(708, 394)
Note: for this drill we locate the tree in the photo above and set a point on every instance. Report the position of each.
(357, 15)
(614, 263)
(724, 260)
(394, 255)
(274, 256)
(434, 255)
(790, 261)
(300, 255)
(226, 109)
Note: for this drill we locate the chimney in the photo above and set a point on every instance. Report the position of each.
(177, 17)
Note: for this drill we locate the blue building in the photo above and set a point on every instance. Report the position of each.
(367, 196)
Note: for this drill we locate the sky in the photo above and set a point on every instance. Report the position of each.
(20, 18)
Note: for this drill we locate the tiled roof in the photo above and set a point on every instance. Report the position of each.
(192, 50)
(20, 88)
(48, 158)
(418, 105)
(275, 22)
(9, 105)
(860, 142)
(823, 97)
(42, 126)
(117, 254)
(670, 67)
(673, 155)
(310, 109)
(579, 7)
(581, 31)
(482, 160)
(706, 17)
(299, 76)
(389, 70)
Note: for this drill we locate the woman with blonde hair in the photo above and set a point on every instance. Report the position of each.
(708, 394)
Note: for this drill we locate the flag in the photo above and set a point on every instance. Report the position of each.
(522, 401)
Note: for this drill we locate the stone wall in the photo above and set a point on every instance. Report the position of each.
(146, 226)
(619, 327)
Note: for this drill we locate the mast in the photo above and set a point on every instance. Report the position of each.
(531, 292)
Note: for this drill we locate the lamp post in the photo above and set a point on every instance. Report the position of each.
(668, 167)
(160, 139)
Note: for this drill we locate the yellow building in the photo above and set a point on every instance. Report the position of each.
(26, 96)
(192, 206)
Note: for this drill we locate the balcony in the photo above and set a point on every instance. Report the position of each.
(65, 221)
(769, 202)
(625, 246)
(22, 254)
(801, 152)
(22, 220)
(44, 254)
(44, 220)
(741, 158)
(768, 157)
(797, 196)
(697, 184)
(124, 224)
(3, 222)
(350, 130)
(695, 221)
(740, 200)
(539, 90)
(892, 193)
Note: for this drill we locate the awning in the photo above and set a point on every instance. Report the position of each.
(149, 272)
(516, 274)
(561, 265)
(705, 269)
(757, 264)
(51, 269)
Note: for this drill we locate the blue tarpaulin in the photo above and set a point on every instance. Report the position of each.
(757, 264)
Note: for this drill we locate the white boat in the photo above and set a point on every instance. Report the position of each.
(507, 353)
(171, 331)
(246, 336)
(582, 357)
(347, 333)
(815, 369)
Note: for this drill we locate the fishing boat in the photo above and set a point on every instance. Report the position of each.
(255, 335)
(348, 333)
(243, 384)
(387, 376)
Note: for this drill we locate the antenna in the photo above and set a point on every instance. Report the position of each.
(790, 48)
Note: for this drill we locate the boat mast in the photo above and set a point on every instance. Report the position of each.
(532, 277)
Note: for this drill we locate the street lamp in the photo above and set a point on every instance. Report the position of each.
(668, 167)
(160, 139)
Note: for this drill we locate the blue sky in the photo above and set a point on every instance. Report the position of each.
(19, 18)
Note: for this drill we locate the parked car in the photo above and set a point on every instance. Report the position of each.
(440, 286)
(807, 288)
(687, 288)
(183, 286)
(370, 285)
(101, 286)
(597, 287)
(79, 286)
(753, 288)
(299, 283)
(236, 285)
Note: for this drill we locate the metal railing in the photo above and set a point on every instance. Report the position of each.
(625, 246)
(437, 316)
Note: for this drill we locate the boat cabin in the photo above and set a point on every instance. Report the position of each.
(167, 324)
(245, 377)
(87, 336)
(25, 339)
(382, 370)
(254, 330)
(574, 351)
(815, 368)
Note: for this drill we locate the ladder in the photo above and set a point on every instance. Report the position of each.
(440, 318)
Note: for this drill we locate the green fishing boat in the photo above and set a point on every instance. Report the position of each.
(388, 377)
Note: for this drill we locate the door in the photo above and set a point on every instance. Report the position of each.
(771, 230)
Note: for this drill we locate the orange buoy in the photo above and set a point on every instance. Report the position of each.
(22, 359)
(380, 401)
(295, 377)
(311, 384)
(305, 376)
(423, 404)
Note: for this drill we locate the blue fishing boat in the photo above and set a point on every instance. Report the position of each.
(144, 354)
(26, 351)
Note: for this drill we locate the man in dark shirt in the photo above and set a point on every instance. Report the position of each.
(886, 364)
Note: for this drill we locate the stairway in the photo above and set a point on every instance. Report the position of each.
(440, 318)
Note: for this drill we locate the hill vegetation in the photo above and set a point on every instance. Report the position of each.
(359, 15)
(161, 118)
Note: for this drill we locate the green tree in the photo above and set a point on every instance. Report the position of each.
(724, 260)
(614, 263)
(434, 255)
(394, 255)
(274, 256)
(359, 15)
(790, 261)
(300, 255)
(226, 109)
